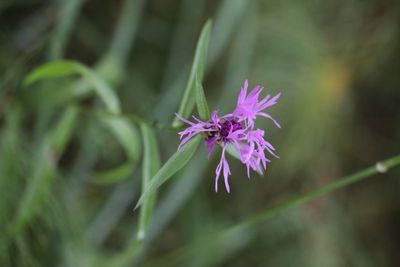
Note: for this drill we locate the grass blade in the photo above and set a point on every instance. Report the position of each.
(51, 70)
(201, 101)
(128, 137)
(198, 68)
(176, 162)
(64, 68)
(151, 164)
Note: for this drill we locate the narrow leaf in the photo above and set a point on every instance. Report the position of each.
(102, 88)
(176, 162)
(202, 106)
(198, 68)
(65, 68)
(128, 137)
(151, 164)
(51, 70)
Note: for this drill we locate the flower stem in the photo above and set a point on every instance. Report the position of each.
(379, 167)
(242, 229)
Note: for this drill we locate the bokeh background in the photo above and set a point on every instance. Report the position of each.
(336, 63)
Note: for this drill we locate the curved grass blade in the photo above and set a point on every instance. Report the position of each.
(198, 68)
(54, 69)
(201, 101)
(151, 164)
(102, 88)
(174, 164)
(64, 68)
(128, 137)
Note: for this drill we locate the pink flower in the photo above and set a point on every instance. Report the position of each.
(236, 130)
(248, 107)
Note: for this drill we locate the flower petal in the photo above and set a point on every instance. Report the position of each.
(263, 114)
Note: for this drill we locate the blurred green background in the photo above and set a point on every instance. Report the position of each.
(70, 176)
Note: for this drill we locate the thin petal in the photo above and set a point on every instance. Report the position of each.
(183, 119)
(270, 103)
(227, 172)
(210, 145)
(223, 164)
(243, 92)
(269, 117)
(255, 93)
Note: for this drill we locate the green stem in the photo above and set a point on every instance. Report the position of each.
(379, 167)
(216, 240)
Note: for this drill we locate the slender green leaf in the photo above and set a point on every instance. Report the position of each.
(128, 137)
(51, 70)
(64, 68)
(151, 164)
(102, 88)
(198, 68)
(201, 101)
(176, 162)
(178, 193)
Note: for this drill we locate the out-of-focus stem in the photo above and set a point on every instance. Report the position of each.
(229, 233)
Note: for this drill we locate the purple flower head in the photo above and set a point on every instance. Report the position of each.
(248, 107)
(236, 131)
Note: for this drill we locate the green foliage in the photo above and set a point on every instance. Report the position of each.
(63, 124)
(201, 101)
(52, 70)
(239, 231)
(196, 72)
(176, 162)
(64, 68)
(151, 164)
(128, 137)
